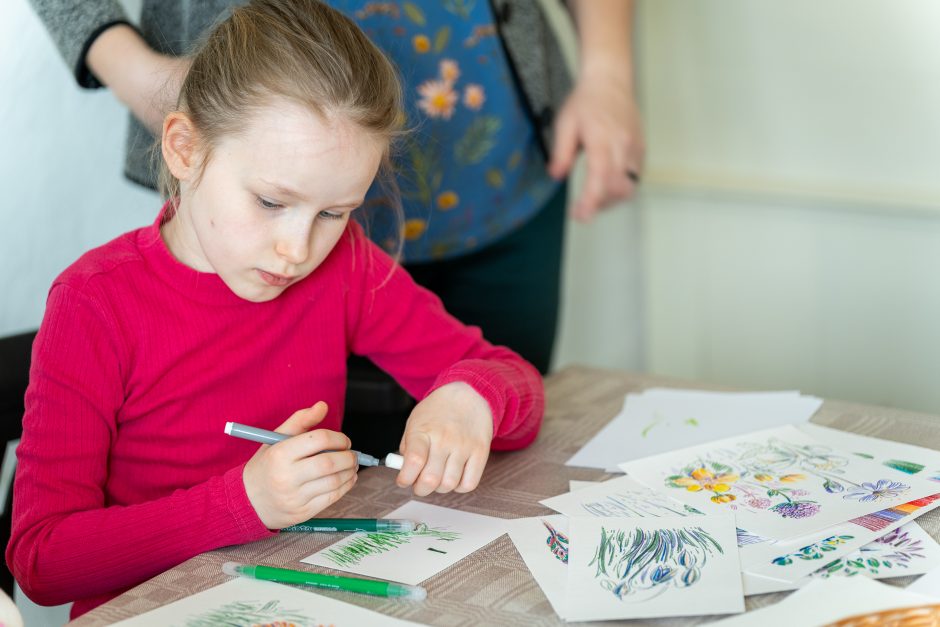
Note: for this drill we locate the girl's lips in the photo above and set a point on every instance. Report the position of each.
(275, 280)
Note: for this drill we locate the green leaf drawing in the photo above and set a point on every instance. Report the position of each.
(249, 613)
(479, 139)
(414, 13)
(441, 39)
(353, 551)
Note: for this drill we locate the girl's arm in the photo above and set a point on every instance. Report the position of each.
(63, 528)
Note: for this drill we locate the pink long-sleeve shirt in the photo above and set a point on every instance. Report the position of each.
(124, 470)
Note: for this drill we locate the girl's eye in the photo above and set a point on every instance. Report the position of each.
(331, 216)
(268, 204)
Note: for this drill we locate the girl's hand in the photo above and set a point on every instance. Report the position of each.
(446, 441)
(289, 482)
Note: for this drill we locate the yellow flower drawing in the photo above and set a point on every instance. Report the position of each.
(473, 97)
(723, 498)
(792, 478)
(447, 200)
(437, 99)
(421, 43)
(702, 479)
(450, 71)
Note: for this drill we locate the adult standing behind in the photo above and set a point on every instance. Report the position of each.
(497, 128)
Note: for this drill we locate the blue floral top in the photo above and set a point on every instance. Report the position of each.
(471, 171)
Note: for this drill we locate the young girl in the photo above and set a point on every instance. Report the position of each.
(242, 302)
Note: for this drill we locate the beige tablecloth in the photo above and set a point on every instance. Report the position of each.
(493, 585)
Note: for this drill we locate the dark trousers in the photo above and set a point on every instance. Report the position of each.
(510, 289)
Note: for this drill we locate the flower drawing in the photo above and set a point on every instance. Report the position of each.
(640, 564)
(815, 551)
(796, 509)
(437, 98)
(557, 543)
(703, 479)
(882, 489)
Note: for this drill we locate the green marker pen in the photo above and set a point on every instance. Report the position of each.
(332, 582)
(353, 524)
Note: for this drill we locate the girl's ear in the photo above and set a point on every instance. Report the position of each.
(179, 145)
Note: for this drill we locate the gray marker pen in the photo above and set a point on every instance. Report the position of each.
(263, 436)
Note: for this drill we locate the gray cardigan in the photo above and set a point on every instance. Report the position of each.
(174, 26)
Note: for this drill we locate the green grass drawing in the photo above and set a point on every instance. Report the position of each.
(357, 549)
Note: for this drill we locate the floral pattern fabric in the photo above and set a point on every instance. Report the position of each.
(470, 171)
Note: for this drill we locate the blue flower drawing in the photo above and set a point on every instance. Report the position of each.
(882, 489)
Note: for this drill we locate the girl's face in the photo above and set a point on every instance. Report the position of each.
(273, 200)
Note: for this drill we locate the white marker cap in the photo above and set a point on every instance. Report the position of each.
(228, 428)
(394, 460)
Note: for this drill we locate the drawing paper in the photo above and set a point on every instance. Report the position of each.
(444, 537)
(779, 483)
(661, 420)
(242, 601)
(929, 584)
(793, 559)
(906, 551)
(826, 600)
(620, 568)
(619, 497)
(906, 459)
(542, 541)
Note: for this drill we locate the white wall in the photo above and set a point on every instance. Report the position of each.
(60, 168)
(791, 224)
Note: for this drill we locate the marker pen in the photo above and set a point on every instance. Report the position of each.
(263, 436)
(318, 580)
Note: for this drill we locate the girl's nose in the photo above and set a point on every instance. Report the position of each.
(294, 247)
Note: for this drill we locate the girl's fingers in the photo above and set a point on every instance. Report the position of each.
(415, 448)
(321, 486)
(433, 473)
(324, 465)
(453, 473)
(319, 502)
(472, 471)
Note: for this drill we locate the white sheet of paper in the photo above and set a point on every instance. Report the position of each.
(661, 420)
(906, 459)
(906, 551)
(794, 559)
(779, 483)
(574, 484)
(826, 600)
(250, 602)
(929, 584)
(542, 542)
(621, 497)
(613, 573)
(446, 537)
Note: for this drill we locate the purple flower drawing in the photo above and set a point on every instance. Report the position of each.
(796, 509)
(882, 489)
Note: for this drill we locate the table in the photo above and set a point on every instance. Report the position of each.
(493, 585)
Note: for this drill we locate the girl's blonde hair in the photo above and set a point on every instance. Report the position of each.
(302, 50)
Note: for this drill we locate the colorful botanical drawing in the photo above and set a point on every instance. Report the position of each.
(893, 552)
(911, 468)
(760, 476)
(746, 538)
(882, 489)
(355, 550)
(254, 613)
(814, 551)
(877, 521)
(557, 542)
(638, 565)
(636, 504)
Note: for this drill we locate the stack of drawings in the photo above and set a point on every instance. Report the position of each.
(693, 529)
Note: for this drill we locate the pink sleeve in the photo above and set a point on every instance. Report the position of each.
(405, 330)
(62, 524)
